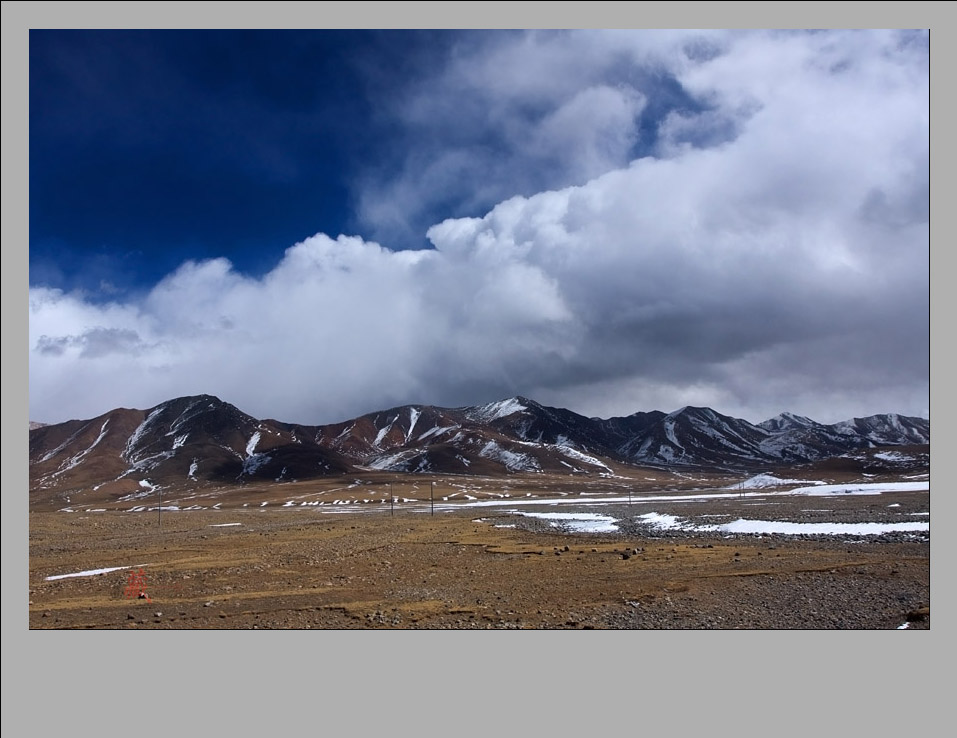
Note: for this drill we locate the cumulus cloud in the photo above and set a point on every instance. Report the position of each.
(766, 250)
(517, 113)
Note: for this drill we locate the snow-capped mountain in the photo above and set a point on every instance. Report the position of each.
(512, 435)
(194, 441)
(695, 436)
(887, 430)
(787, 422)
(186, 441)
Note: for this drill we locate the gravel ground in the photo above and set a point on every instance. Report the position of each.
(489, 567)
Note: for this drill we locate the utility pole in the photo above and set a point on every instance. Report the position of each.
(391, 501)
(432, 496)
(159, 509)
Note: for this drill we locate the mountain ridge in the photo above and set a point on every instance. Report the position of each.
(200, 440)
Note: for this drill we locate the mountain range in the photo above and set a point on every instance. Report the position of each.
(200, 440)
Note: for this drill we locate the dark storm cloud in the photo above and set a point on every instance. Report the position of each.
(766, 251)
(93, 344)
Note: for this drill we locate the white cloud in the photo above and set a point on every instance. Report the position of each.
(770, 253)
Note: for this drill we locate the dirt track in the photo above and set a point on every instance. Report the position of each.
(303, 569)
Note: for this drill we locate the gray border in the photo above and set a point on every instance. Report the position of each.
(100, 680)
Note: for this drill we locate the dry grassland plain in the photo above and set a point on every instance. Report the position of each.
(387, 553)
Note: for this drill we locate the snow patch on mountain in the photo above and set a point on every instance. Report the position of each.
(414, 414)
(382, 433)
(141, 429)
(495, 410)
(437, 431)
(398, 461)
(574, 453)
(74, 460)
(49, 455)
(669, 427)
(148, 489)
(191, 411)
(512, 460)
(251, 464)
(148, 462)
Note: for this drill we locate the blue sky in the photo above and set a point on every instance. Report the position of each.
(151, 147)
(317, 224)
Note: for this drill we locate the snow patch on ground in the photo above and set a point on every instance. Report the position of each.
(781, 527)
(893, 456)
(92, 572)
(762, 481)
(578, 522)
(867, 488)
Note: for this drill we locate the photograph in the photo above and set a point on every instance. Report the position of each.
(478, 328)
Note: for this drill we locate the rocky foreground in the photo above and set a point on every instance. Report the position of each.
(465, 568)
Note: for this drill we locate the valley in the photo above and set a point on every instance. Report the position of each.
(193, 515)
